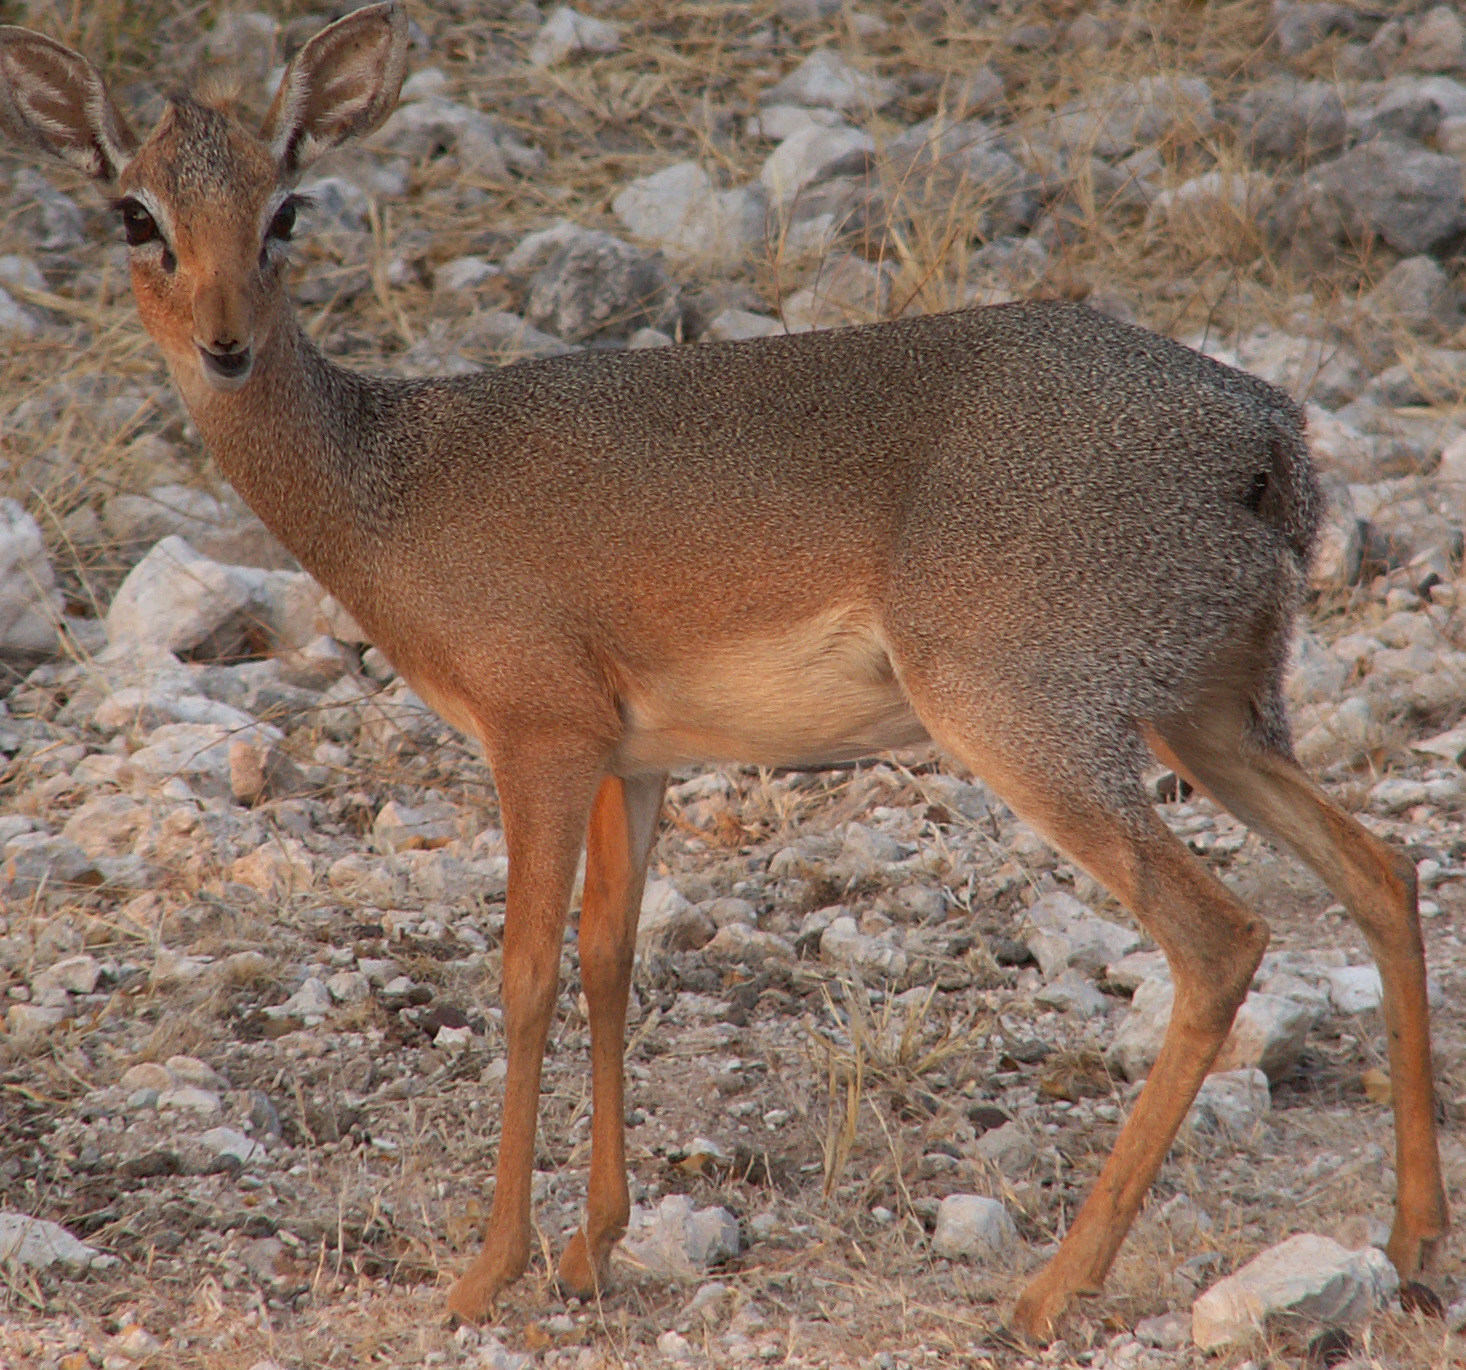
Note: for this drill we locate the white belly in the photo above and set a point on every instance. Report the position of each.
(822, 692)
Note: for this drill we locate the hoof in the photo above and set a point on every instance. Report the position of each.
(577, 1273)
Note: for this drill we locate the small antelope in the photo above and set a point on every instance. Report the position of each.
(1050, 542)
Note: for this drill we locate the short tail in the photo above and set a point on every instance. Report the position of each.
(1285, 493)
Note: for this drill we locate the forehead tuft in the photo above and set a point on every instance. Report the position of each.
(202, 155)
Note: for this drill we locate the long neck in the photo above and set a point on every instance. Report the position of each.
(293, 442)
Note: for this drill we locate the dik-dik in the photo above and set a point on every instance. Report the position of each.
(1054, 544)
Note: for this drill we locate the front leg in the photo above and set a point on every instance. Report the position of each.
(545, 797)
(623, 824)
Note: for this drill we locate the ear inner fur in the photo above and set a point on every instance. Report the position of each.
(64, 94)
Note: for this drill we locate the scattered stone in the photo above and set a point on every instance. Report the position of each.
(228, 1142)
(812, 155)
(681, 211)
(1066, 934)
(423, 827)
(1356, 989)
(73, 975)
(567, 33)
(1407, 196)
(1285, 120)
(583, 282)
(1166, 1332)
(972, 1227)
(1070, 992)
(1306, 1277)
(1231, 1102)
(30, 603)
(675, 1240)
(825, 78)
(843, 944)
(37, 1243)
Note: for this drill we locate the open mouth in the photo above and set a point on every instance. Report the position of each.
(227, 370)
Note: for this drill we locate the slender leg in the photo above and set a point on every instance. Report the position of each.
(545, 800)
(623, 823)
(1213, 944)
(1269, 792)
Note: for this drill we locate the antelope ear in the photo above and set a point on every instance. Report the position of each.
(340, 85)
(53, 101)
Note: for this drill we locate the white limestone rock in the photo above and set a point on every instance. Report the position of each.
(1307, 1277)
(30, 603)
(675, 1240)
(972, 1227)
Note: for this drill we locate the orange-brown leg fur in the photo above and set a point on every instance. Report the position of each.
(1376, 884)
(545, 799)
(1080, 786)
(623, 823)
(1213, 944)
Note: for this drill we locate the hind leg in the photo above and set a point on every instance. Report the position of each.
(1264, 786)
(1084, 795)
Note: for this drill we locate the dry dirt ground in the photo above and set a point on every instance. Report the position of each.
(828, 1113)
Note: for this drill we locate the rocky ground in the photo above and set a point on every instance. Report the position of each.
(251, 891)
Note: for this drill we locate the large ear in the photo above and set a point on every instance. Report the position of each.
(340, 85)
(52, 100)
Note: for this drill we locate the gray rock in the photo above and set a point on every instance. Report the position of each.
(1066, 934)
(567, 33)
(1285, 120)
(812, 155)
(188, 1098)
(230, 1142)
(196, 753)
(34, 861)
(1166, 1331)
(1434, 375)
(1070, 992)
(737, 943)
(349, 986)
(1197, 206)
(846, 290)
(177, 600)
(1307, 368)
(72, 975)
(49, 219)
(1298, 28)
(1231, 1102)
(1417, 293)
(311, 1001)
(675, 1240)
(680, 210)
(843, 944)
(1409, 197)
(1408, 109)
(1009, 1148)
(21, 271)
(1268, 1032)
(1436, 41)
(28, 1020)
(30, 603)
(662, 905)
(484, 147)
(163, 510)
(37, 1243)
(825, 78)
(16, 321)
(1118, 117)
(583, 282)
(1307, 1278)
(502, 337)
(1356, 989)
(974, 1228)
(942, 158)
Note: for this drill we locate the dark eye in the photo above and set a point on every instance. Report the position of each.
(283, 224)
(137, 223)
